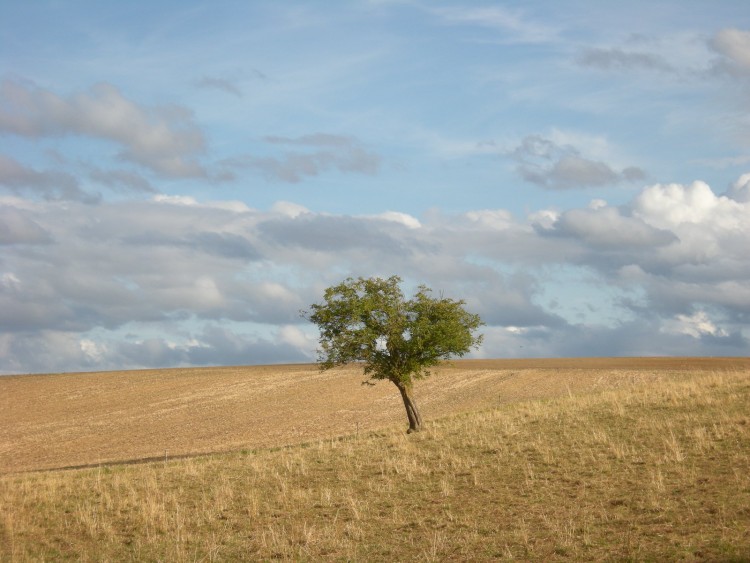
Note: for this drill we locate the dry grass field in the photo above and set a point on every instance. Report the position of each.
(636, 459)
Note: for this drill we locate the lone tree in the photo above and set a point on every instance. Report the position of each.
(370, 321)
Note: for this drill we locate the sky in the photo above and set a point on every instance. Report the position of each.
(178, 180)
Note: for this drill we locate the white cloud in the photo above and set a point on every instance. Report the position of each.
(671, 205)
(682, 55)
(176, 199)
(204, 293)
(549, 164)
(397, 217)
(192, 272)
(734, 45)
(49, 184)
(276, 292)
(455, 144)
(606, 227)
(190, 201)
(94, 352)
(544, 219)
(696, 325)
(9, 281)
(494, 218)
(289, 209)
(162, 139)
(295, 337)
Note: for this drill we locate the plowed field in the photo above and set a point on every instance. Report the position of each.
(69, 420)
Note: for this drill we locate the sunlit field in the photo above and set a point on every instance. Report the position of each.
(547, 459)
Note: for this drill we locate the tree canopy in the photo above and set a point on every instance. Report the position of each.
(369, 320)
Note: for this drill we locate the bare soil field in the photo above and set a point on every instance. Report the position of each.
(72, 420)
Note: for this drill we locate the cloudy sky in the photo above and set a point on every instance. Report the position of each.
(179, 179)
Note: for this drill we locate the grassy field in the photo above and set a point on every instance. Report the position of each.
(566, 459)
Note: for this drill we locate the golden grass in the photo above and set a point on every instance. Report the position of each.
(657, 470)
(65, 420)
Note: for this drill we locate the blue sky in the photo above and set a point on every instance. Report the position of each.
(179, 179)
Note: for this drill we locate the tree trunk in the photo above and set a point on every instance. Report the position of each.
(415, 419)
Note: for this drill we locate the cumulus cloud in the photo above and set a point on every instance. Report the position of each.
(550, 165)
(607, 227)
(162, 139)
(177, 281)
(397, 217)
(696, 325)
(673, 205)
(310, 155)
(288, 208)
(492, 218)
(682, 241)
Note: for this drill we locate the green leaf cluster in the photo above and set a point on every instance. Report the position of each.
(369, 320)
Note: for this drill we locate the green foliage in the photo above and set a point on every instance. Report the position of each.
(369, 320)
